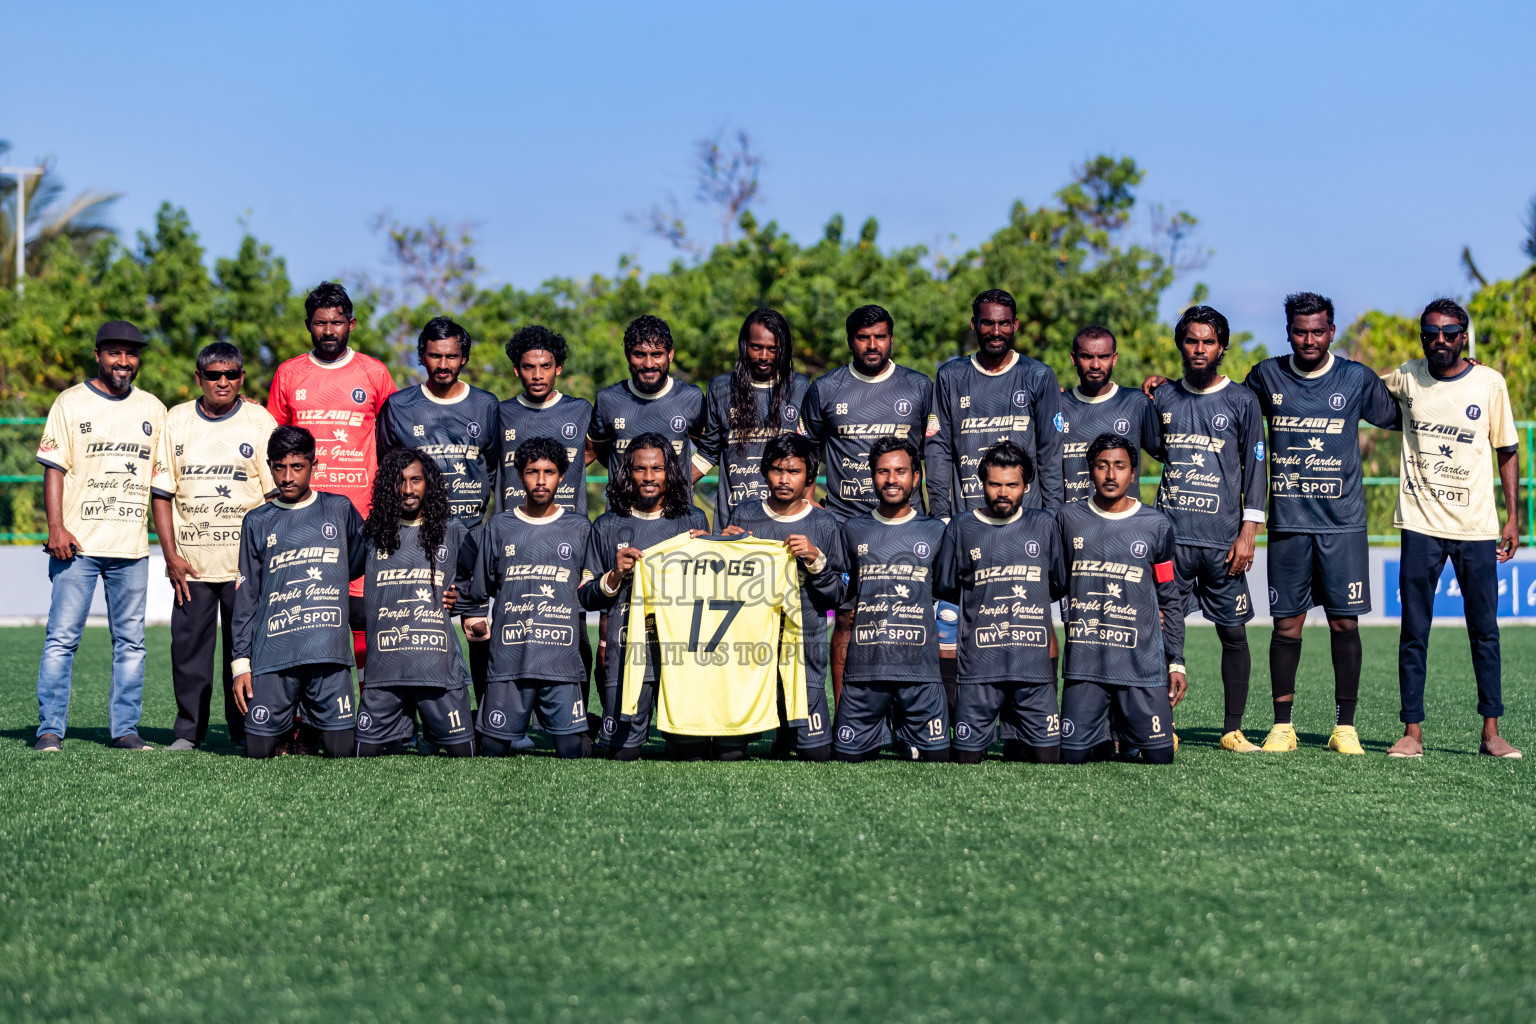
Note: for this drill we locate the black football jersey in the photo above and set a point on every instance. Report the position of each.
(531, 570)
(623, 412)
(411, 640)
(1123, 411)
(1213, 460)
(1314, 440)
(845, 411)
(461, 435)
(740, 459)
(561, 417)
(611, 533)
(1119, 578)
(1003, 574)
(820, 591)
(890, 589)
(296, 563)
(973, 410)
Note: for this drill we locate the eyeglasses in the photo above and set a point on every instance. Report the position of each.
(1450, 332)
(213, 375)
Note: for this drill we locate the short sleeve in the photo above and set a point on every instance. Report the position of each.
(1501, 419)
(163, 482)
(56, 448)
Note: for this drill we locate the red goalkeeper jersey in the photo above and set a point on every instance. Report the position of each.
(338, 403)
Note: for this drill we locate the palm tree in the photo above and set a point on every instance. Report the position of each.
(79, 220)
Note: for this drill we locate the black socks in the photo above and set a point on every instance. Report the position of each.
(1236, 666)
(1284, 656)
(1345, 646)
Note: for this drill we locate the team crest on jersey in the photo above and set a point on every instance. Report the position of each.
(473, 429)
(903, 407)
(1219, 421)
(246, 450)
(920, 549)
(845, 733)
(1021, 398)
(359, 396)
(679, 424)
(260, 714)
(790, 413)
(1473, 412)
(569, 430)
(149, 431)
(1059, 422)
(1258, 451)
(328, 531)
(1032, 549)
(1122, 426)
(1139, 549)
(1335, 401)
(565, 551)
(441, 554)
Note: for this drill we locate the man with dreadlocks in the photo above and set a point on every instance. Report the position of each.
(745, 409)
(648, 502)
(417, 553)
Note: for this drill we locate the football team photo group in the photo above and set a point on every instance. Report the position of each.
(883, 564)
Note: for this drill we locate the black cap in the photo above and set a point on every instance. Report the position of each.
(119, 330)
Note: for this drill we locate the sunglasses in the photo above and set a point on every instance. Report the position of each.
(212, 375)
(1450, 332)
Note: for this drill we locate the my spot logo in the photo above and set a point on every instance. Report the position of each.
(1258, 451)
(246, 451)
(328, 531)
(1219, 421)
(679, 424)
(1139, 549)
(565, 551)
(903, 407)
(920, 549)
(259, 714)
(1032, 549)
(359, 396)
(569, 431)
(1122, 426)
(1473, 412)
(473, 429)
(1021, 398)
(1335, 401)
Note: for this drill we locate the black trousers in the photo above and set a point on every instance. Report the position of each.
(1476, 564)
(193, 625)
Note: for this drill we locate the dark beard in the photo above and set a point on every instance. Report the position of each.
(1440, 360)
(1202, 379)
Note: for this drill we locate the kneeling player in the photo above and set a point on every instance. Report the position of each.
(893, 660)
(811, 534)
(1002, 565)
(1125, 616)
(416, 554)
(531, 564)
(292, 640)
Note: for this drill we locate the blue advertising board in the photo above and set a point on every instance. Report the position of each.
(1517, 590)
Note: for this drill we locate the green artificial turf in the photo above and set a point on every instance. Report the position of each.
(168, 887)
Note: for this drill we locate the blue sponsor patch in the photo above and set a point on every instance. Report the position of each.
(1258, 451)
(1059, 421)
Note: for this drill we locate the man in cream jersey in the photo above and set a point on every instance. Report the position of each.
(97, 451)
(210, 470)
(1453, 411)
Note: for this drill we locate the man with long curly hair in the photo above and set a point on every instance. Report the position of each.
(648, 502)
(418, 554)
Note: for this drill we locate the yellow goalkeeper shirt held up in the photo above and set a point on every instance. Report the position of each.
(726, 617)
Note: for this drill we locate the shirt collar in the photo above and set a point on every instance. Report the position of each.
(894, 522)
(1013, 359)
(528, 403)
(545, 521)
(1106, 396)
(884, 374)
(1313, 374)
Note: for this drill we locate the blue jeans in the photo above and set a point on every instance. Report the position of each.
(74, 584)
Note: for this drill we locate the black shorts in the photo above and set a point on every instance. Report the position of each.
(618, 731)
(816, 731)
(386, 714)
(322, 692)
(1328, 569)
(1029, 713)
(1202, 572)
(865, 711)
(1144, 718)
(508, 708)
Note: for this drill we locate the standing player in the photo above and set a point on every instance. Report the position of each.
(336, 393)
(1125, 615)
(1313, 402)
(1099, 406)
(291, 642)
(210, 470)
(745, 408)
(846, 410)
(458, 426)
(1002, 565)
(417, 552)
(1453, 411)
(538, 355)
(1214, 490)
(893, 662)
(789, 466)
(100, 434)
(652, 401)
(649, 501)
(532, 564)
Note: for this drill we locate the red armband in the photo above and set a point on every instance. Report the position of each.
(1164, 571)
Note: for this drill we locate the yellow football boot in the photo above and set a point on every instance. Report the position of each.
(1236, 742)
(1281, 738)
(1345, 740)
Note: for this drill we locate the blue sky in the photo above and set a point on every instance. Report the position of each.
(1347, 148)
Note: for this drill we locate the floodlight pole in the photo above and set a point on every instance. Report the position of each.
(21, 220)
